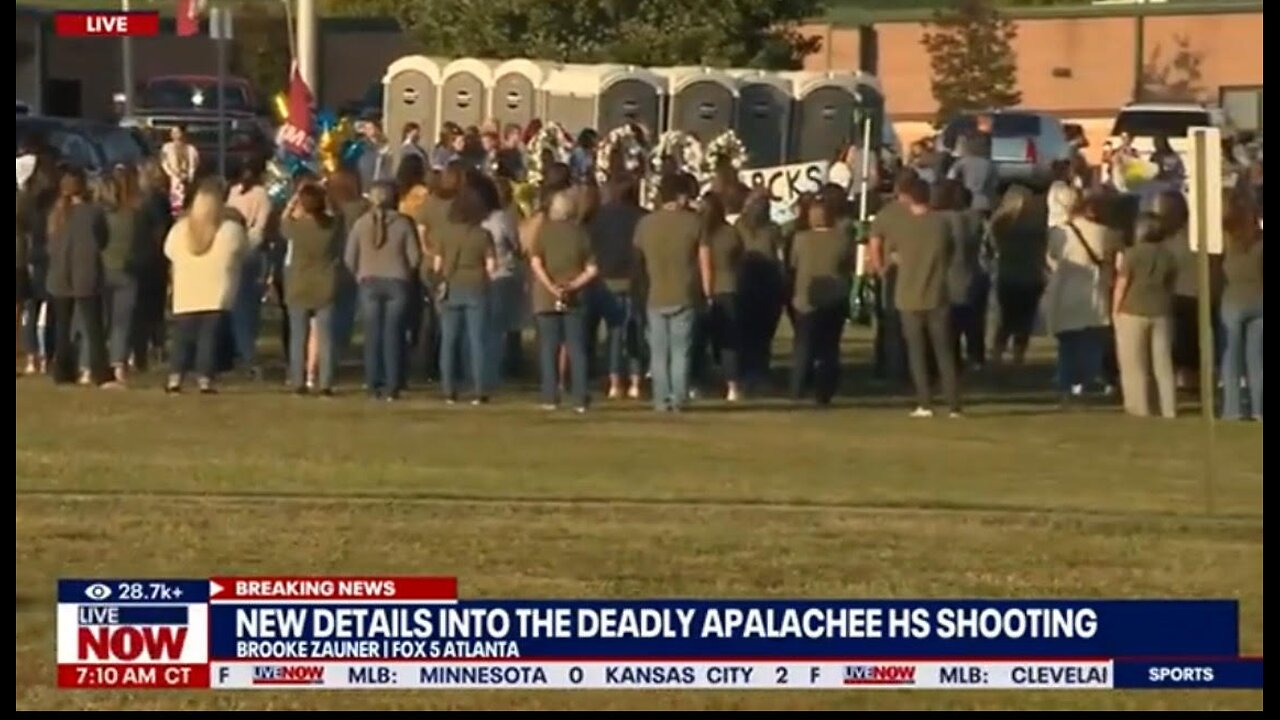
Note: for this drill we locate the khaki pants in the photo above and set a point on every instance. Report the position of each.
(1144, 348)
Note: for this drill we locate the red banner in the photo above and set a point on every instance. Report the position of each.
(188, 18)
(296, 134)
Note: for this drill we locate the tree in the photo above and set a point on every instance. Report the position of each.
(972, 59)
(741, 33)
(260, 50)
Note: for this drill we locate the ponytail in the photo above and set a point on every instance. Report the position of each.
(379, 226)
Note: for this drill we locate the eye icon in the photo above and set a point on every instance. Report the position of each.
(97, 591)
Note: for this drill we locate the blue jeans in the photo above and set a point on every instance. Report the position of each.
(1243, 326)
(670, 340)
(463, 308)
(569, 328)
(505, 296)
(195, 343)
(121, 303)
(382, 304)
(622, 339)
(247, 311)
(1080, 356)
(299, 330)
(37, 333)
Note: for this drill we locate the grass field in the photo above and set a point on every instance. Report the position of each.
(765, 500)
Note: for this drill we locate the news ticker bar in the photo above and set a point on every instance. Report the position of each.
(677, 675)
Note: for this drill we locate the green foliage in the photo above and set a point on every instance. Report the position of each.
(750, 33)
(261, 47)
(971, 54)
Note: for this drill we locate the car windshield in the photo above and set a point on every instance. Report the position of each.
(1149, 123)
(1002, 125)
(191, 95)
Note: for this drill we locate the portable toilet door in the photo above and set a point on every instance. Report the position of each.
(763, 116)
(410, 90)
(825, 110)
(629, 94)
(464, 93)
(570, 96)
(701, 101)
(517, 85)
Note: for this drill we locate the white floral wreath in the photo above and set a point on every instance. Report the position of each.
(634, 154)
(551, 137)
(727, 147)
(683, 147)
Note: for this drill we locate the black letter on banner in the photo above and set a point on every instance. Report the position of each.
(575, 675)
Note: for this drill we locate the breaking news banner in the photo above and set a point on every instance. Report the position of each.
(414, 632)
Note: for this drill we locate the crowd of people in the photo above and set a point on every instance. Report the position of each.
(427, 250)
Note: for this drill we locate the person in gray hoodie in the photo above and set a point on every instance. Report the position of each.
(382, 252)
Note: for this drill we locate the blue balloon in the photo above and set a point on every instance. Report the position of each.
(326, 120)
(351, 151)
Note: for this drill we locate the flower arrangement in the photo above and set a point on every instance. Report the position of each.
(624, 140)
(682, 150)
(728, 149)
(552, 141)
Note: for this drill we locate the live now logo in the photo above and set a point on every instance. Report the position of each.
(106, 24)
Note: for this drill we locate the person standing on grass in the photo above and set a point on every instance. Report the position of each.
(249, 198)
(1077, 299)
(563, 265)
(612, 231)
(1242, 309)
(311, 278)
(676, 269)
(966, 282)
(1170, 207)
(129, 232)
(507, 286)
(1142, 306)
(153, 273)
(35, 200)
(348, 206)
(821, 260)
(887, 229)
(463, 263)
(1019, 231)
(204, 249)
(724, 327)
(760, 289)
(924, 248)
(77, 232)
(383, 254)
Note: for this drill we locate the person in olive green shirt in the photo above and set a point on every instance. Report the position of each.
(760, 289)
(1142, 304)
(1242, 309)
(821, 261)
(563, 263)
(723, 328)
(675, 269)
(890, 350)
(311, 278)
(463, 263)
(924, 249)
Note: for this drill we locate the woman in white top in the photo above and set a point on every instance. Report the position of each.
(249, 199)
(1081, 260)
(204, 248)
(180, 160)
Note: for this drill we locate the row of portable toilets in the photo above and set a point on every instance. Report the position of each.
(781, 117)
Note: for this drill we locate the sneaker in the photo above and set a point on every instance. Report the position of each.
(30, 369)
(581, 409)
(85, 378)
(111, 385)
(633, 392)
(548, 407)
(482, 400)
(615, 393)
(956, 415)
(311, 383)
(451, 400)
(922, 412)
(1077, 390)
(733, 395)
(119, 372)
(694, 393)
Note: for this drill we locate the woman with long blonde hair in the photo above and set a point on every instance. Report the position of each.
(205, 248)
(1019, 230)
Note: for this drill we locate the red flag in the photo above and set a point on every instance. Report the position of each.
(188, 18)
(296, 134)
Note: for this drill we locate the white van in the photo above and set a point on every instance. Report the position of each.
(1142, 122)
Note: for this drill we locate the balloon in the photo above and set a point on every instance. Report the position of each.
(330, 164)
(326, 120)
(351, 151)
(280, 102)
(278, 190)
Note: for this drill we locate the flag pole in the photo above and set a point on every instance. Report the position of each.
(289, 30)
(126, 66)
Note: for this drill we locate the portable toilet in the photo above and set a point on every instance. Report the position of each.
(464, 91)
(410, 94)
(516, 98)
(604, 97)
(763, 116)
(700, 100)
(826, 111)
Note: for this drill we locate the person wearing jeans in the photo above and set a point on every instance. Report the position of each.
(924, 248)
(759, 289)
(506, 291)
(563, 266)
(1142, 304)
(463, 262)
(130, 229)
(676, 267)
(204, 249)
(723, 325)
(310, 284)
(1242, 311)
(612, 229)
(821, 259)
(249, 198)
(383, 255)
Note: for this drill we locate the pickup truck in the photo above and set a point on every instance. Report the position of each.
(191, 101)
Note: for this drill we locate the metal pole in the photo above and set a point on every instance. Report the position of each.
(1201, 198)
(220, 21)
(126, 66)
(307, 45)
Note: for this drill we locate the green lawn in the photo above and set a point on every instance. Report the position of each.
(765, 500)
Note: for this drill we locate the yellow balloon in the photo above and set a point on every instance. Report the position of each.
(330, 164)
(281, 104)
